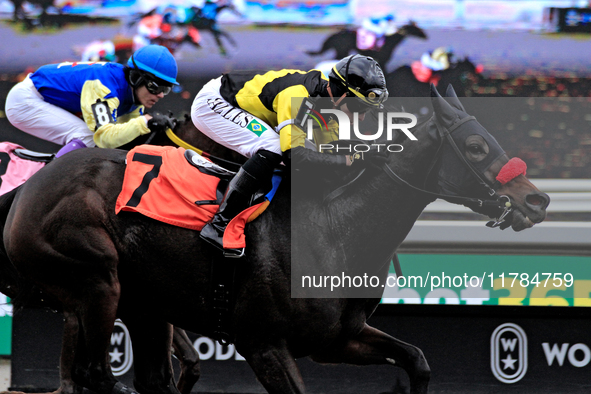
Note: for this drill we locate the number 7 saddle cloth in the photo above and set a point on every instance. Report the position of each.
(160, 183)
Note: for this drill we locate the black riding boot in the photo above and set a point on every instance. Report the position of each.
(253, 175)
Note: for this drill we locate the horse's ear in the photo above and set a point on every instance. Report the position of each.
(445, 113)
(453, 99)
(434, 92)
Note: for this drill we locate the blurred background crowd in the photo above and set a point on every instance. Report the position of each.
(532, 56)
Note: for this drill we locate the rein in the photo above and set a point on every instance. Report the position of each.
(500, 202)
(503, 203)
(181, 143)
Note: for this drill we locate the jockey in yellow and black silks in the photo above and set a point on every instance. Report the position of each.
(243, 110)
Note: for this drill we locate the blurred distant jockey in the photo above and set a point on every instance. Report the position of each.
(168, 26)
(427, 69)
(207, 19)
(373, 31)
(438, 60)
(99, 51)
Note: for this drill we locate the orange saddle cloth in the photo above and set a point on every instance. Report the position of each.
(161, 184)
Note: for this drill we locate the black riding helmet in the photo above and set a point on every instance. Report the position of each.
(360, 77)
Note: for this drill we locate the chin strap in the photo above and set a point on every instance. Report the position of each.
(500, 221)
(511, 170)
(332, 97)
(502, 202)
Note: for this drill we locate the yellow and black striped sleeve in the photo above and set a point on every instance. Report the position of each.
(274, 97)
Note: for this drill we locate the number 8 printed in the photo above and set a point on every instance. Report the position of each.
(102, 116)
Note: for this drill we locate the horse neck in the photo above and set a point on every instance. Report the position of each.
(189, 133)
(453, 76)
(383, 211)
(393, 40)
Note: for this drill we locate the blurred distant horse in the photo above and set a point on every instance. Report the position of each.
(19, 12)
(200, 18)
(345, 41)
(461, 75)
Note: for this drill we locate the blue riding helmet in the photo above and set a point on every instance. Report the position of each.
(156, 60)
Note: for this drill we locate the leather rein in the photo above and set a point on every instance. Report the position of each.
(501, 202)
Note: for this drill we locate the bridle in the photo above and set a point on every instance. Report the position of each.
(500, 202)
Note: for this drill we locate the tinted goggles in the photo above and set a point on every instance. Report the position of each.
(373, 97)
(156, 89)
(376, 97)
(139, 77)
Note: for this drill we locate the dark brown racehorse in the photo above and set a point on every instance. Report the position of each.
(461, 75)
(345, 41)
(26, 294)
(62, 233)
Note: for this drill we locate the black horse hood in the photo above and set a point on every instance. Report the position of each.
(455, 176)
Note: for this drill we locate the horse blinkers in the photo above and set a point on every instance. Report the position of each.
(469, 152)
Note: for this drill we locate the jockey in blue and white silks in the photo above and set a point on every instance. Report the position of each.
(93, 103)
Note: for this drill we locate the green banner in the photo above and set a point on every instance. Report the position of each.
(491, 280)
(5, 325)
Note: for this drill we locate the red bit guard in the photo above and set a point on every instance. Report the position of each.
(511, 170)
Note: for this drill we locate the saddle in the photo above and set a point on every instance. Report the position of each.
(206, 166)
(27, 154)
(182, 188)
(223, 269)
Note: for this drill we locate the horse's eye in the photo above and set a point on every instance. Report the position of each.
(476, 149)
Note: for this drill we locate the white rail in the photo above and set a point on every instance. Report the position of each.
(473, 237)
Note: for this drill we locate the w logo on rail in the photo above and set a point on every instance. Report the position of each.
(508, 353)
(120, 352)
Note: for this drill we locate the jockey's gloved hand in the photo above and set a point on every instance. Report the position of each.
(376, 156)
(160, 123)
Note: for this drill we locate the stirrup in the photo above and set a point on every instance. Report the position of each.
(228, 253)
(234, 253)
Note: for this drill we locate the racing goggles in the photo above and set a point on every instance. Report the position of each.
(156, 89)
(372, 98)
(148, 79)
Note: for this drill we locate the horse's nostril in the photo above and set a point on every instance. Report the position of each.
(537, 200)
